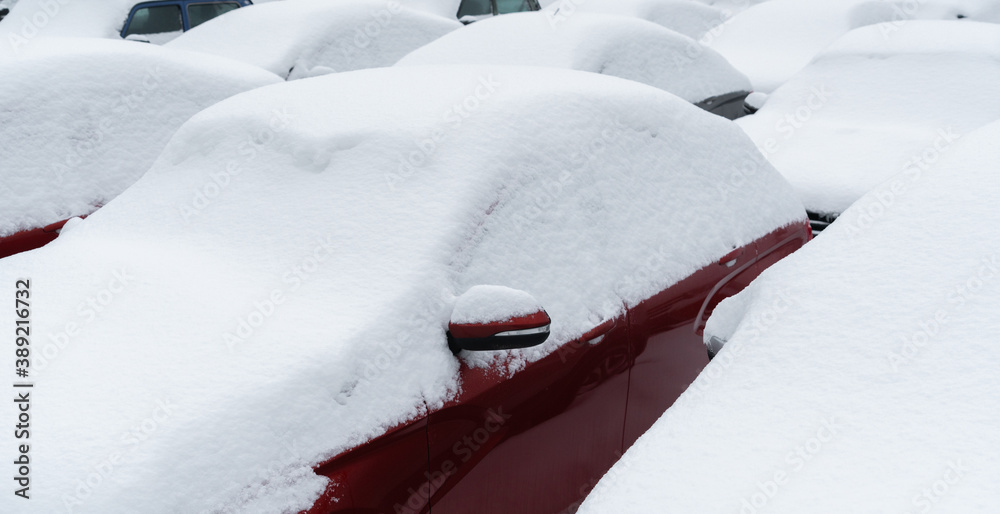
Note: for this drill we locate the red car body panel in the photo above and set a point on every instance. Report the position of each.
(30, 239)
(539, 440)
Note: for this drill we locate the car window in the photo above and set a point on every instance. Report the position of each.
(200, 13)
(474, 8)
(157, 19)
(509, 6)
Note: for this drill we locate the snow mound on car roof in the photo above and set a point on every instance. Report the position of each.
(870, 107)
(691, 18)
(860, 373)
(612, 45)
(771, 41)
(304, 38)
(84, 118)
(63, 18)
(291, 260)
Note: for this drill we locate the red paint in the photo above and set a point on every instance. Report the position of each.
(30, 239)
(480, 330)
(538, 441)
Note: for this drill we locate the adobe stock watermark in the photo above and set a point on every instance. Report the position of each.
(902, 12)
(352, 45)
(461, 452)
(756, 327)
(47, 11)
(124, 105)
(932, 494)
(819, 95)
(881, 201)
(263, 309)
(89, 310)
(911, 346)
(131, 440)
(452, 120)
(248, 150)
(795, 461)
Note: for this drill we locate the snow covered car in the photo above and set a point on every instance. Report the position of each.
(282, 295)
(3, 12)
(155, 21)
(867, 108)
(773, 40)
(692, 18)
(475, 10)
(624, 47)
(859, 374)
(85, 118)
(306, 38)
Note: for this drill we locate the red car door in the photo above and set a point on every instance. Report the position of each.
(536, 441)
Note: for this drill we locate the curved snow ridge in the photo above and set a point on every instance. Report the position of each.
(85, 118)
(611, 45)
(314, 37)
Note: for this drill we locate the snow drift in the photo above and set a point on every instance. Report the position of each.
(84, 118)
(859, 373)
(869, 107)
(303, 38)
(611, 45)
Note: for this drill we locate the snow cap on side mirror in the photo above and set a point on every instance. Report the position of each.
(488, 318)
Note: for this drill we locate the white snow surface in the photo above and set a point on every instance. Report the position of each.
(30, 19)
(488, 304)
(689, 17)
(84, 118)
(304, 38)
(611, 45)
(860, 373)
(773, 40)
(870, 107)
(283, 243)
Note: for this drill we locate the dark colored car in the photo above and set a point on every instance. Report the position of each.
(473, 10)
(175, 15)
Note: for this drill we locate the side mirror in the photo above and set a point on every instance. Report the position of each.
(488, 318)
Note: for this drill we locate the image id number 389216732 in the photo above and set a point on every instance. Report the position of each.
(22, 387)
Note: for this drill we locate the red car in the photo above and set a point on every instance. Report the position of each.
(427, 289)
(540, 440)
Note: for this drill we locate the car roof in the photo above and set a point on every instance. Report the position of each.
(85, 118)
(312, 37)
(612, 45)
(867, 109)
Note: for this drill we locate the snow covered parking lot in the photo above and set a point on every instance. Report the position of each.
(353, 256)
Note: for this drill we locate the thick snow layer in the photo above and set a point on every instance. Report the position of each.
(612, 45)
(771, 41)
(487, 304)
(870, 107)
(303, 38)
(63, 18)
(84, 118)
(282, 278)
(860, 374)
(689, 17)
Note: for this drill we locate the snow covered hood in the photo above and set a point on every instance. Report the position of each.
(871, 106)
(611, 45)
(860, 373)
(84, 118)
(303, 38)
(282, 277)
(773, 40)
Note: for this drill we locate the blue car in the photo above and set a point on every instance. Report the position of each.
(171, 16)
